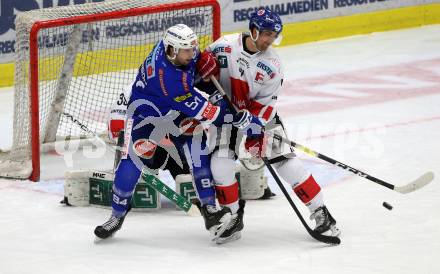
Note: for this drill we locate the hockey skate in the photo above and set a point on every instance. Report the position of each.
(233, 231)
(216, 220)
(109, 228)
(267, 194)
(325, 223)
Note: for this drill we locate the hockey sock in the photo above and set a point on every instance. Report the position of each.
(228, 196)
(309, 193)
(126, 177)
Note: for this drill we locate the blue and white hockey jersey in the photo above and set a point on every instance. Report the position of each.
(168, 88)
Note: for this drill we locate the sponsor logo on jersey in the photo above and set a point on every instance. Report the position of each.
(185, 82)
(182, 98)
(144, 148)
(243, 63)
(149, 59)
(209, 111)
(162, 83)
(223, 61)
(142, 72)
(267, 69)
(150, 71)
(118, 111)
(227, 49)
(149, 63)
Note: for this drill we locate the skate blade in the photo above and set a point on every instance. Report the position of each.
(216, 231)
(98, 239)
(233, 237)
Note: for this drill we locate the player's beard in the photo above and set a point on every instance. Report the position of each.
(182, 61)
(263, 46)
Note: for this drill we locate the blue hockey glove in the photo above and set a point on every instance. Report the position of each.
(248, 123)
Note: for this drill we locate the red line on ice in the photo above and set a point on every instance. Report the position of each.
(391, 85)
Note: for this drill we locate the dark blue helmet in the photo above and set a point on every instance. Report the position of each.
(265, 19)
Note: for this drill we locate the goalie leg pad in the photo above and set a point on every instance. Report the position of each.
(76, 187)
(252, 182)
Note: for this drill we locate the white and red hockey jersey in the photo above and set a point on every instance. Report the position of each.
(252, 81)
(118, 112)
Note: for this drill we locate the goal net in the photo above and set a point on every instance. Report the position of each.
(72, 62)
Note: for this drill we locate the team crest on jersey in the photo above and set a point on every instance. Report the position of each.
(259, 77)
(223, 61)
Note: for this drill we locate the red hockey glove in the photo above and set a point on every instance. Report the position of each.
(207, 65)
(255, 146)
(114, 127)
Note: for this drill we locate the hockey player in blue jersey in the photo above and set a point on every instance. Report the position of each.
(163, 100)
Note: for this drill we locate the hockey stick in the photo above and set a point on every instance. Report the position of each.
(315, 235)
(166, 191)
(119, 147)
(149, 179)
(418, 183)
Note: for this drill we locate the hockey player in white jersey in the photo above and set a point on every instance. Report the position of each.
(252, 75)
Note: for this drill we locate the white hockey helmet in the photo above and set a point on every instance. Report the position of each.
(180, 36)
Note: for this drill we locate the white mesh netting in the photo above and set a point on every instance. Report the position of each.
(102, 57)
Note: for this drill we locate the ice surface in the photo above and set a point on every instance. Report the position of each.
(371, 101)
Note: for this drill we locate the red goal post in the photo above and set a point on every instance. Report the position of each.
(59, 75)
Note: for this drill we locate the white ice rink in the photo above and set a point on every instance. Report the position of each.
(370, 101)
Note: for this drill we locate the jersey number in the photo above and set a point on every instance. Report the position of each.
(122, 100)
(194, 104)
(206, 183)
